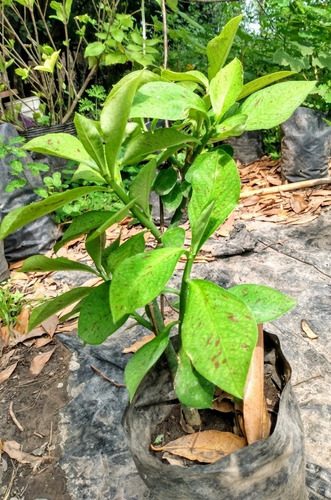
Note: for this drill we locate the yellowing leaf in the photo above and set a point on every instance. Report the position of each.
(206, 446)
(49, 63)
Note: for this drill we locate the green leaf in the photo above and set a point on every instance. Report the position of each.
(172, 200)
(265, 303)
(273, 105)
(141, 186)
(95, 322)
(87, 174)
(188, 76)
(15, 184)
(191, 388)
(114, 117)
(49, 63)
(199, 227)
(284, 59)
(42, 263)
(174, 237)
(55, 305)
(23, 215)
(94, 49)
(62, 145)
(139, 279)
(145, 77)
(150, 142)
(95, 247)
(219, 47)
(89, 136)
(117, 217)
(219, 335)
(165, 101)
(144, 359)
(165, 181)
(231, 127)
(226, 86)
(133, 246)
(214, 178)
(82, 224)
(262, 82)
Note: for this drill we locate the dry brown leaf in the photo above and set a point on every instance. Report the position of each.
(68, 327)
(274, 181)
(42, 342)
(206, 446)
(173, 460)
(137, 345)
(223, 405)
(298, 204)
(17, 338)
(12, 448)
(17, 276)
(39, 361)
(308, 331)
(50, 324)
(184, 425)
(16, 265)
(5, 374)
(4, 335)
(23, 321)
(5, 358)
(256, 418)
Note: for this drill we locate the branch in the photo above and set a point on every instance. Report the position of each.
(286, 187)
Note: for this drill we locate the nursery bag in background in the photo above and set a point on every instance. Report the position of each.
(248, 147)
(306, 145)
(38, 236)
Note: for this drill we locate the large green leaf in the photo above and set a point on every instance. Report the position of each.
(144, 359)
(62, 145)
(165, 101)
(42, 263)
(134, 245)
(83, 224)
(90, 138)
(171, 201)
(114, 118)
(219, 47)
(225, 87)
(214, 178)
(23, 215)
(219, 334)
(188, 76)
(87, 173)
(165, 181)
(95, 322)
(145, 77)
(231, 127)
(141, 186)
(150, 142)
(265, 303)
(40, 313)
(139, 279)
(262, 82)
(273, 105)
(191, 388)
(173, 237)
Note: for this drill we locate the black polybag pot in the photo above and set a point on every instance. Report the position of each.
(273, 468)
(4, 272)
(305, 145)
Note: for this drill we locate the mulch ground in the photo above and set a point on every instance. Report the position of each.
(34, 368)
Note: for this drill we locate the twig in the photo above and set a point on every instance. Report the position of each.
(102, 375)
(286, 187)
(10, 485)
(14, 419)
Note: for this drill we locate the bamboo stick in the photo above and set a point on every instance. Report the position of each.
(286, 187)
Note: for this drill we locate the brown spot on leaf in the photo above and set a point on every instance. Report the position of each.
(233, 318)
(224, 361)
(216, 365)
(244, 346)
(217, 342)
(217, 355)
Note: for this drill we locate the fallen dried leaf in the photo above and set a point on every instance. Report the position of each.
(42, 342)
(137, 345)
(39, 361)
(17, 276)
(223, 405)
(298, 204)
(5, 358)
(5, 374)
(173, 460)
(12, 448)
(308, 331)
(206, 446)
(50, 324)
(23, 321)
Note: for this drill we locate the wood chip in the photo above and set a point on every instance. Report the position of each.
(308, 331)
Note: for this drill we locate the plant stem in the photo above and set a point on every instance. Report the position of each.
(145, 221)
(184, 293)
(142, 321)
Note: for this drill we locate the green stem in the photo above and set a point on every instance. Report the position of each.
(142, 321)
(145, 221)
(184, 293)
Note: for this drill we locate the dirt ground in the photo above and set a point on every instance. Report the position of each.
(34, 402)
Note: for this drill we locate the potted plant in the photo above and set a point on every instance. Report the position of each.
(217, 328)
